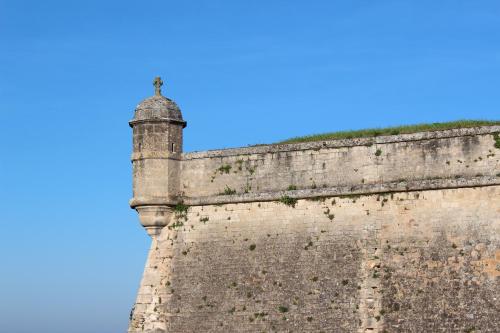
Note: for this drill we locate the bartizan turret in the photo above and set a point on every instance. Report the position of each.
(157, 150)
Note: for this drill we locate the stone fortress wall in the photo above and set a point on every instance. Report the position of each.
(348, 166)
(398, 233)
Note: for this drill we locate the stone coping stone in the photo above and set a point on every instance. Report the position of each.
(356, 190)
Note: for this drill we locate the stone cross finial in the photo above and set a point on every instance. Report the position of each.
(157, 83)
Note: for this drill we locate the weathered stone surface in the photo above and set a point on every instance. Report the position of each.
(452, 154)
(388, 234)
(400, 263)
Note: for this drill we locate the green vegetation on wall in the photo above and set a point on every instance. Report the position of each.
(406, 129)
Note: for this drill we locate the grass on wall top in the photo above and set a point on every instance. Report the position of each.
(372, 132)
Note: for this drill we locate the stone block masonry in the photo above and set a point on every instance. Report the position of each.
(452, 154)
(422, 261)
(388, 234)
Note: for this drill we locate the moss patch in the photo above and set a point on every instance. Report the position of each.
(282, 309)
(286, 200)
(228, 191)
(496, 137)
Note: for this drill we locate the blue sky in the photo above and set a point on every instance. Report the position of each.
(243, 72)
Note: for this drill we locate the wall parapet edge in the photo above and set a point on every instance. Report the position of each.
(365, 163)
(341, 143)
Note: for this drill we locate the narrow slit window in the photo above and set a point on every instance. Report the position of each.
(172, 147)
